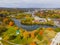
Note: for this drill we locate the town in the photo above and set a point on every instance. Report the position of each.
(29, 26)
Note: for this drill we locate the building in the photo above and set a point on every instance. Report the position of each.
(36, 18)
(57, 22)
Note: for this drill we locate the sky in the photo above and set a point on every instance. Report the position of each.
(30, 3)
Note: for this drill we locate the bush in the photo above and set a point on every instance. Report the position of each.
(2, 29)
(57, 29)
(40, 37)
(12, 37)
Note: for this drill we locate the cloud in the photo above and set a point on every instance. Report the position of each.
(42, 1)
(30, 3)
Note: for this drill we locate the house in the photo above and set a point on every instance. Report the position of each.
(12, 16)
(49, 19)
(36, 18)
(57, 22)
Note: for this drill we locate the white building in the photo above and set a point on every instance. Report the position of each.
(57, 22)
(49, 19)
(40, 19)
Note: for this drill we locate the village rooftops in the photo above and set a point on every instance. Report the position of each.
(57, 20)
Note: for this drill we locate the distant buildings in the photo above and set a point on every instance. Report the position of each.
(57, 22)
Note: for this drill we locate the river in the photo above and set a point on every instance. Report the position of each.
(30, 27)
